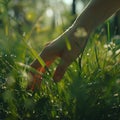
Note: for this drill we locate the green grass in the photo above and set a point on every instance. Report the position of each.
(87, 92)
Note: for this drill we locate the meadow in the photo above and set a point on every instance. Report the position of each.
(90, 89)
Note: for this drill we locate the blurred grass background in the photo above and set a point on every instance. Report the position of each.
(90, 89)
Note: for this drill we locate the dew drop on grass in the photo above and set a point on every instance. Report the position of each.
(116, 95)
(90, 83)
(60, 109)
(88, 54)
(75, 70)
(52, 101)
(57, 117)
(6, 55)
(33, 111)
(71, 66)
(12, 55)
(85, 76)
(47, 73)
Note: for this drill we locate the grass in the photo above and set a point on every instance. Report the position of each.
(87, 92)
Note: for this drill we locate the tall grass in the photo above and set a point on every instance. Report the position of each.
(89, 92)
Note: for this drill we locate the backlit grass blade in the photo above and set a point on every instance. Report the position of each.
(29, 68)
(68, 44)
(35, 54)
(108, 31)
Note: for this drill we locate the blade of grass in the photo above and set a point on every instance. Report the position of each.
(68, 44)
(96, 55)
(108, 31)
(35, 54)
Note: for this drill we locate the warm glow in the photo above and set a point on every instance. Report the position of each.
(49, 12)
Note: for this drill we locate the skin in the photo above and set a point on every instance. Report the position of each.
(95, 13)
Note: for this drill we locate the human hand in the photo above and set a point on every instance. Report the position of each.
(67, 47)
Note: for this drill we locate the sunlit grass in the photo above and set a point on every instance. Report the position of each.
(90, 91)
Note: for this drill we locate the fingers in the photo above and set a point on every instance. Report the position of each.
(36, 82)
(60, 71)
(37, 79)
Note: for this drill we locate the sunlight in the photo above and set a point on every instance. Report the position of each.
(79, 5)
(41, 42)
(49, 12)
(69, 2)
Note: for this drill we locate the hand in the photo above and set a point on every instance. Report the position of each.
(92, 16)
(58, 48)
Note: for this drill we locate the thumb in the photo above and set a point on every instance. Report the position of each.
(60, 71)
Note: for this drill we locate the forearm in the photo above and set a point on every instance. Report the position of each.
(96, 13)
